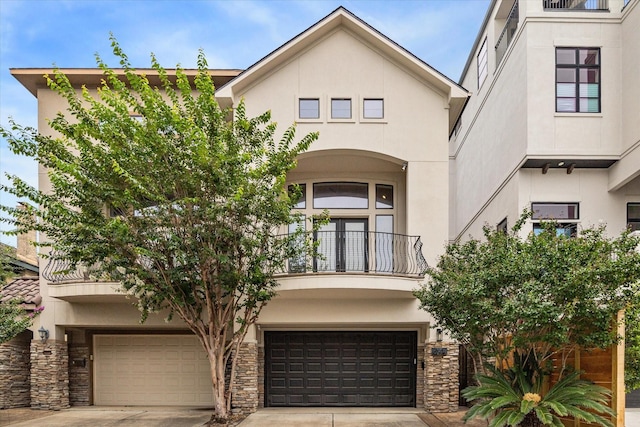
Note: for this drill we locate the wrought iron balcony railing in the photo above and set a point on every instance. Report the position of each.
(575, 5)
(337, 251)
(58, 270)
(362, 252)
(508, 32)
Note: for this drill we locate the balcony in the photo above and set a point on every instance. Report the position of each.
(576, 5)
(507, 34)
(366, 252)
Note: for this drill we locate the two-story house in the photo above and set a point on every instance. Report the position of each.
(345, 332)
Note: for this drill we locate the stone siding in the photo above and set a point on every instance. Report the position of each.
(15, 366)
(261, 376)
(420, 375)
(49, 375)
(79, 378)
(441, 378)
(245, 392)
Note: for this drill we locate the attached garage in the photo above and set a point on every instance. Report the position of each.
(340, 368)
(151, 370)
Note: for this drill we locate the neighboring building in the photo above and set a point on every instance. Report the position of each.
(380, 167)
(553, 124)
(554, 121)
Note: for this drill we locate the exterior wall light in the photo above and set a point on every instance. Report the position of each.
(404, 166)
(44, 334)
(439, 335)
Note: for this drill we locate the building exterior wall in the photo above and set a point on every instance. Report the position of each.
(512, 118)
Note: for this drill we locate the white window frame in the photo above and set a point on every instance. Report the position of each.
(483, 63)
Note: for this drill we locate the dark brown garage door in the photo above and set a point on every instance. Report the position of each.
(340, 368)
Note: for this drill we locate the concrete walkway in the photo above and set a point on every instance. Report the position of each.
(334, 417)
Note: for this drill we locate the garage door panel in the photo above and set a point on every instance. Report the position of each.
(151, 370)
(341, 368)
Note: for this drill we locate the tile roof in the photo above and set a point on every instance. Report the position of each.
(25, 289)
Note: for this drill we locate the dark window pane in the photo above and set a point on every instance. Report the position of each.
(589, 75)
(555, 210)
(300, 193)
(373, 109)
(566, 75)
(341, 108)
(384, 196)
(346, 195)
(309, 108)
(565, 56)
(633, 211)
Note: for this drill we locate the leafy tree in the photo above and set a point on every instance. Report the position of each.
(632, 348)
(6, 272)
(546, 293)
(180, 205)
(14, 318)
(528, 301)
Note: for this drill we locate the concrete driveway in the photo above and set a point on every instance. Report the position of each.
(102, 416)
(334, 417)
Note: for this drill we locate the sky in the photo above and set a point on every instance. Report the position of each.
(233, 34)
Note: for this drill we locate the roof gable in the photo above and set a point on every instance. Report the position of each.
(454, 94)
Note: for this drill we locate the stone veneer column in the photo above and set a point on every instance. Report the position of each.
(14, 373)
(261, 376)
(441, 378)
(49, 375)
(79, 383)
(245, 393)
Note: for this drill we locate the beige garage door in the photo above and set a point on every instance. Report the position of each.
(150, 370)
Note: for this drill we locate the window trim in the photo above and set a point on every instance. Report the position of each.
(354, 109)
(364, 108)
(562, 222)
(309, 120)
(576, 67)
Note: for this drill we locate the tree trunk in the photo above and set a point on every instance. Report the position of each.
(218, 383)
(531, 420)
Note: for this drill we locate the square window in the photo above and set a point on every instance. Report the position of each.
(341, 108)
(309, 108)
(373, 109)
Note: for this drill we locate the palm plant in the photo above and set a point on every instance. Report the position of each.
(514, 398)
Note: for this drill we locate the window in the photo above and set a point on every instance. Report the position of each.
(561, 213)
(299, 191)
(384, 196)
(298, 264)
(483, 69)
(336, 195)
(309, 108)
(373, 108)
(633, 216)
(502, 226)
(340, 108)
(577, 80)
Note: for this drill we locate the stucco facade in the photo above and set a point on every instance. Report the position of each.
(396, 154)
(512, 127)
(434, 161)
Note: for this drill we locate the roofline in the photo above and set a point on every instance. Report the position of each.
(356, 18)
(477, 41)
(33, 78)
